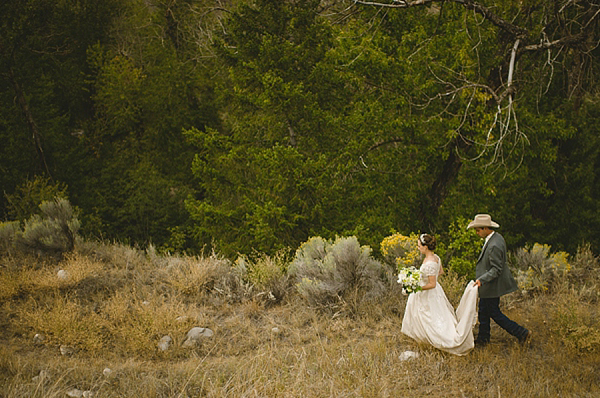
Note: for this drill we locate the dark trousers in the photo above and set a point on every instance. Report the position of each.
(489, 308)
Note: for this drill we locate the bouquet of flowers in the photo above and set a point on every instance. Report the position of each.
(410, 279)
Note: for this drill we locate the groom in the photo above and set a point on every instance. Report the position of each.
(494, 279)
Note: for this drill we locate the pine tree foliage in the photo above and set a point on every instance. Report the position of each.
(253, 125)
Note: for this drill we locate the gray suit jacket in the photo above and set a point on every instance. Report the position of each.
(495, 276)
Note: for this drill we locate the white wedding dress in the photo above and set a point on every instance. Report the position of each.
(430, 318)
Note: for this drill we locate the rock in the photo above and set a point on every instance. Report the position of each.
(165, 343)
(145, 302)
(195, 334)
(275, 330)
(74, 393)
(43, 375)
(87, 394)
(38, 338)
(66, 350)
(62, 274)
(107, 372)
(408, 355)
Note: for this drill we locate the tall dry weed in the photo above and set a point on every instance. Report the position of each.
(15, 281)
(454, 285)
(283, 350)
(63, 321)
(584, 275)
(9, 232)
(136, 324)
(195, 276)
(113, 254)
(267, 275)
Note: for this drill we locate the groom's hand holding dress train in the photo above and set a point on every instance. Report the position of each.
(494, 279)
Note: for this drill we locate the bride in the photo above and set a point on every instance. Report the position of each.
(429, 316)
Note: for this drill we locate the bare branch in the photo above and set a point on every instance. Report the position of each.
(480, 9)
(569, 25)
(33, 128)
(384, 143)
(511, 68)
(563, 41)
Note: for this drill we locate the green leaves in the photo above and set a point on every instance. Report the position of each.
(301, 120)
(255, 198)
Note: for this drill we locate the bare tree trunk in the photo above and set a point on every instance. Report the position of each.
(172, 28)
(438, 191)
(33, 129)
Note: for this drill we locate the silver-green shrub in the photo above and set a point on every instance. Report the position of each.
(9, 232)
(325, 272)
(52, 232)
(539, 270)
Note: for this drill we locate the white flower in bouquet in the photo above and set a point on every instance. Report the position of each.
(410, 279)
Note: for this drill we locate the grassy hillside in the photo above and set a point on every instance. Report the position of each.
(111, 305)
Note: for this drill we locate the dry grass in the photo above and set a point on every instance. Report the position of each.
(118, 302)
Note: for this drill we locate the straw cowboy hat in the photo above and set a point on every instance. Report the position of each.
(482, 220)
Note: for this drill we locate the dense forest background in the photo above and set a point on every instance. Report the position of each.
(254, 125)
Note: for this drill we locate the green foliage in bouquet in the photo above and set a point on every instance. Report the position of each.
(327, 272)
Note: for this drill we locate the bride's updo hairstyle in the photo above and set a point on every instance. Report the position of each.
(428, 241)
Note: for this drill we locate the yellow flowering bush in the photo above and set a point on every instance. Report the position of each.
(538, 269)
(401, 250)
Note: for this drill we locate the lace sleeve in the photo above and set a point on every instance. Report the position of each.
(429, 268)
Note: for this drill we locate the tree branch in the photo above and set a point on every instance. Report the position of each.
(514, 30)
(563, 41)
(571, 24)
(383, 143)
(33, 128)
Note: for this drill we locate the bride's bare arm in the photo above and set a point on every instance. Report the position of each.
(430, 283)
